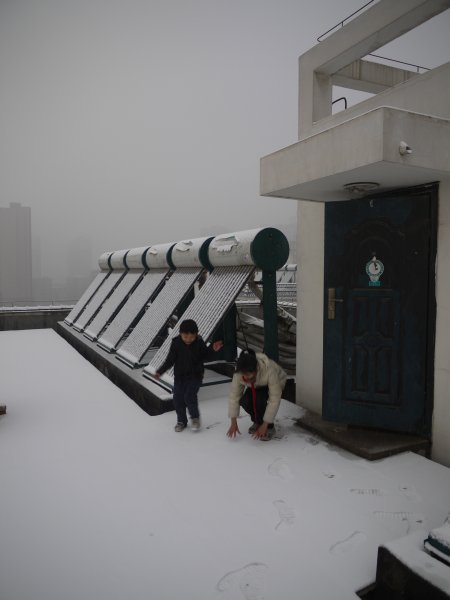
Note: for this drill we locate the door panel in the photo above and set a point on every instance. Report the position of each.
(371, 348)
(377, 314)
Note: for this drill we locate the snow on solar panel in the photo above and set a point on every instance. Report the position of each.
(113, 304)
(95, 303)
(87, 295)
(136, 302)
(157, 315)
(208, 308)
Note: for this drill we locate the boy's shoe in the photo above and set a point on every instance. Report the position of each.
(179, 427)
(195, 425)
(253, 427)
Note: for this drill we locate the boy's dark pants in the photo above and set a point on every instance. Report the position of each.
(262, 395)
(185, 397)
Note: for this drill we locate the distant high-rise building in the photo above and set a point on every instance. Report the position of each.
(15, 253)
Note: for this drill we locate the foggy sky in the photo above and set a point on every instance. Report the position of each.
(126, 123)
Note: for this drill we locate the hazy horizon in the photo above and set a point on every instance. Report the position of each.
(127, 124)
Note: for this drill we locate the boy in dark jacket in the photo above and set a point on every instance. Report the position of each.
(187, 354)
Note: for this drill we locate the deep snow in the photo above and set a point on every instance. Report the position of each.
(98, 500)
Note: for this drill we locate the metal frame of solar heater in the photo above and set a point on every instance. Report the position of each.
(113, 304)
(154, 260)
(187, 258)
(118, 266)
(234, 258)
(105, 270)
(287, 274)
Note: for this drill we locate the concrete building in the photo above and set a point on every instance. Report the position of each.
(15, 253)
(373, 189)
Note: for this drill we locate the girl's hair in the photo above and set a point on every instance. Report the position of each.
(188, 326)
(247, 361)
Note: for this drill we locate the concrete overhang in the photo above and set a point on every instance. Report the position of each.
(367, 148)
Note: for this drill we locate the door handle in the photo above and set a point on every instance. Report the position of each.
(332, 303)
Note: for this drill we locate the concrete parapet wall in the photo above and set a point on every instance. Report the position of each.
(32, 319)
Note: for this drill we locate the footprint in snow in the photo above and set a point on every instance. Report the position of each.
(285, 512)
(410, 492)
(250, 582)
(213, 425)
(413, 520)
(280, 468)
(349, 544)
(368, 492)
(312, 441)
(329, 473)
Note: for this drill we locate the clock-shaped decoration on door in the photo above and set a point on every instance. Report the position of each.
(374, 269)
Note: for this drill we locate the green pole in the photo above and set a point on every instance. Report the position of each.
(229, 335)
(270, 314)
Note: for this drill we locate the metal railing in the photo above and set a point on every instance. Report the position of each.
(35, 304)
(342, 23)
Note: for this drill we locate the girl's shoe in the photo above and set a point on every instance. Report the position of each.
(252, 428)
(179, 427)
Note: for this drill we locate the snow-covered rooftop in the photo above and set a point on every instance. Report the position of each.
(99, 500)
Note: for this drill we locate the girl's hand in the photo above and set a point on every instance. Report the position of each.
(217, 346)
(233, 430)
(261, 431)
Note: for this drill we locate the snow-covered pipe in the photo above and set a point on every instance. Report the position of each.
(191, 253)
(158, 256)
(267, 248)
(135, 258)
(117, 260)
(103, 261)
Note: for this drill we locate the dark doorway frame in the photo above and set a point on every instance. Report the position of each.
(432, 191)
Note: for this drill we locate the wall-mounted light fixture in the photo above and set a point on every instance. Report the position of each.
(403, 148)
(359, 188)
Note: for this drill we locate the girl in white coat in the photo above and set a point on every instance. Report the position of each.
(257, 386)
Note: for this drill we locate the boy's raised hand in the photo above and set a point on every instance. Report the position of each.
(217, 345)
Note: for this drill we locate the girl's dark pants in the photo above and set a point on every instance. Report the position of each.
(185, 397)
(262, 395)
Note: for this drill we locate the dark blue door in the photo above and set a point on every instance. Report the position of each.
(379, 310)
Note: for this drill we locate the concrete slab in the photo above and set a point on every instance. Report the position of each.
(368, 443)
(366, 148)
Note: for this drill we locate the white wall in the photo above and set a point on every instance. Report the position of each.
(310, 253)
(415, 95)
(441, 413)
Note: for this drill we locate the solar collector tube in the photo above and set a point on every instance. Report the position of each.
(116, 261)
(105, 270)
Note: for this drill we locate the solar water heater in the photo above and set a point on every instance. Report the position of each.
(186, 259)
(233, 258)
